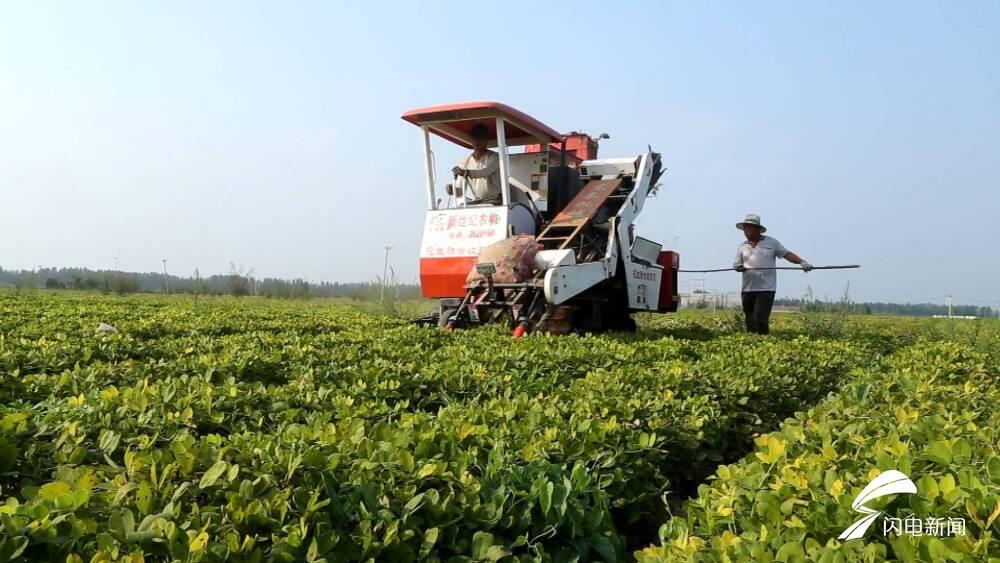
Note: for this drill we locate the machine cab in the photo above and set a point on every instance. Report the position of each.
(455, 229)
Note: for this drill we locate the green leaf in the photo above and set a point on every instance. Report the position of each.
(406, 460)
(413, 504)
(961, 450)
(559, 496)
(495, 553)
(108, 441)
(180, 491)
(775, 449)
(789, 551)
(579, 476)
(938, 451)
(50, 491)
(545, 497)
(603, 546)
(19, 543)
(144, 498)
(993, 467)
(938, 550)
(213, 474)
(123, 523)
(947, 483)
(481, 542)
(903, 547)
(928, 487)
(313, 552)
(199, 542)
(430, 538)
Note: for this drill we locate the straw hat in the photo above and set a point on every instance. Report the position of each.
(751, 219)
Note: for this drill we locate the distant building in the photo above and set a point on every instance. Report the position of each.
(711, 301)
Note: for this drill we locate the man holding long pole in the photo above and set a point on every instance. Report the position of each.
(756, 258)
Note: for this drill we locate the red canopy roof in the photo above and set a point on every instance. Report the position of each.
(455, 122)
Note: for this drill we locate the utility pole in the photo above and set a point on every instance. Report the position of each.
(949, 306)
(166, 280)
(385, 272)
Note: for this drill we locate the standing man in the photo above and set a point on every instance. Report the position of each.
(481, 169)
(759, 285)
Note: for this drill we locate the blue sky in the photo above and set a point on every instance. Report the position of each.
(269, 134)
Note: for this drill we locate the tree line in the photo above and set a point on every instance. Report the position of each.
(886, 308)
(238, 282)
(241, 282)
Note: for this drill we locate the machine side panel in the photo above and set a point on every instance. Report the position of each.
(445, 277)
(669, 300)
(642, 282)
(643, 286)
(451, 243)
(565, 282)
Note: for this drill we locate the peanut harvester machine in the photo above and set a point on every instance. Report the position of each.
(559, 253)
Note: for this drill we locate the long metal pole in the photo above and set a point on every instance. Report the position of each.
(847, 267)
(504, 164)
(428, 167)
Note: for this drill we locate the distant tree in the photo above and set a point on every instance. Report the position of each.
(300, 289)
(199, 285)
(52, 283)
(126, 284)
(238, 280)
(25, 280)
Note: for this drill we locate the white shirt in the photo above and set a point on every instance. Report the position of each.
(484, 175)
(761, 255)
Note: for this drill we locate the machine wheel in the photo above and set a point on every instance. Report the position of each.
(626, 324)
(557, 320)
(619, 321)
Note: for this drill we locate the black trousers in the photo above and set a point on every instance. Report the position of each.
(757, 310)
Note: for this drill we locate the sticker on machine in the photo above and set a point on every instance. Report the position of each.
(462, 232)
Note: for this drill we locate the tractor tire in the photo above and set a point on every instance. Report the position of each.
(617, 320)
(556, 321)
(627, 325)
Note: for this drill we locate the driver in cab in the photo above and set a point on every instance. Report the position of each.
(480, 170)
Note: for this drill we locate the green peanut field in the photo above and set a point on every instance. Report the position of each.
(222, 429)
